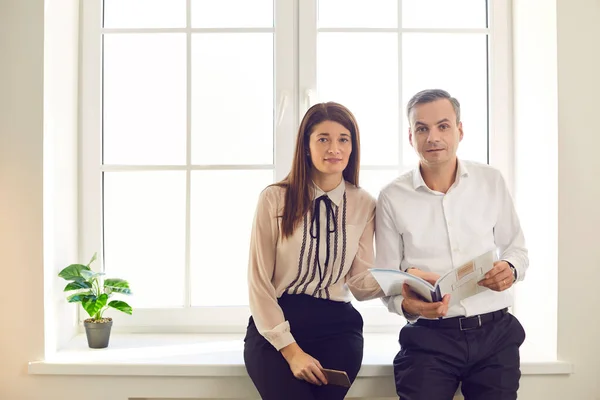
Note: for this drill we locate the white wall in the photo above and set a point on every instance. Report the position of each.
(60, 155)
(578, 195)
(21, 240)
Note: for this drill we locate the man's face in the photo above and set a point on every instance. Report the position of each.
(434, 133)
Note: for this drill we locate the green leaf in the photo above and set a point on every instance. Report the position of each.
(80, 297)
(73, 272)
(121, 306)
(89, 275)
(113, 283)
(126, 291)
(117, 286)
(92, 305)
(93, 259)
(77, 285)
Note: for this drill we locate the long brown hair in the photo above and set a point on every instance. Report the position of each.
(297, 182)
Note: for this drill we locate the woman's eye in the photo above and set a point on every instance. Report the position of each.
(344, 140)
(322, 140)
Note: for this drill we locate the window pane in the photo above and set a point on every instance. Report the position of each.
(144, 235)
(360, 71)
(358, 13)
(444, 14)
(223, 206)
(232, 98)
(456, 63)
(374, 180)
(232, 13)
(410, 157)
(144, 13)
(144, 99)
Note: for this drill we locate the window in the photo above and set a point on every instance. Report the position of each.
(191, 107)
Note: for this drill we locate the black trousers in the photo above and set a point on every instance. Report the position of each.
(434, 359)
(329, 331)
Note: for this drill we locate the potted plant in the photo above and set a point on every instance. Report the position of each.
(94, 294)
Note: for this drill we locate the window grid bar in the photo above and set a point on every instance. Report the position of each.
(102, 196)
(400, 84)
(488, 81)
(186, 30)
(404, 30)
(141, 168)
(381, 167)
(188, 158)
(121, 168)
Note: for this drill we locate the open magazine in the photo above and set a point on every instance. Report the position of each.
(459, 282)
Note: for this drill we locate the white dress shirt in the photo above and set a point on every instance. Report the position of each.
(422, 228)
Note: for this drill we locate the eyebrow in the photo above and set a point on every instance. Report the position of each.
(327, 134)
(437, 123)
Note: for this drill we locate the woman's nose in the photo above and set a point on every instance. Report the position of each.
(333, 149)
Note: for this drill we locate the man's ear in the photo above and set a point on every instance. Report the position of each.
(460, 129)
(410, 137)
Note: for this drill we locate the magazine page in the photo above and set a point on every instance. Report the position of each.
(461, 283)
(391, 281)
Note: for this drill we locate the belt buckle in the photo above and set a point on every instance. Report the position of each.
(460, 320)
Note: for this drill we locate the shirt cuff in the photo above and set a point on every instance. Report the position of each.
(516, 270)
(280, 336)
(395, 306)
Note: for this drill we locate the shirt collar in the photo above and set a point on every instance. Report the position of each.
(418, 178)
(336, 195)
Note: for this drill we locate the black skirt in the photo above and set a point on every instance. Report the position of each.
(329, 331)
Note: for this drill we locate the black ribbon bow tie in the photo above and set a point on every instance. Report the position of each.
(315, 229)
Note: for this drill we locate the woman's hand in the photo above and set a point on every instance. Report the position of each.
(303, 365)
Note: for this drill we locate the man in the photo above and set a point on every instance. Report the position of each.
(437, 217)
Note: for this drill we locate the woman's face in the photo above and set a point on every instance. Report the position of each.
(330, 147)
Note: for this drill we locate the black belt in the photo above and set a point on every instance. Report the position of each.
(462, 323)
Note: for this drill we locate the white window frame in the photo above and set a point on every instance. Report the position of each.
(293, 97)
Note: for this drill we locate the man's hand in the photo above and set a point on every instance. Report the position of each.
(413, 304)
(428, 276)
(499, 278)
(304, 366)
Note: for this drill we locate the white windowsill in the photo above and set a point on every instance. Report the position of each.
(212, 355)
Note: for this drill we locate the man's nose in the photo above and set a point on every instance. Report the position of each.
(434, 135)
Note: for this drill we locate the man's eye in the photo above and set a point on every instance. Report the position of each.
(444, 127)
(422, 129)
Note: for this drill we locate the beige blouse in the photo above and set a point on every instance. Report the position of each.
(328, 256)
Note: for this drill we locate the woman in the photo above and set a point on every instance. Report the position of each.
(312, 244)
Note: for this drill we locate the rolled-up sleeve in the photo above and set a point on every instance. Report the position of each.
(508, 234)
(360, 281)
(266, 312)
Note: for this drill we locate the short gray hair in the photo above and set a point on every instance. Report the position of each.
(430, 95)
